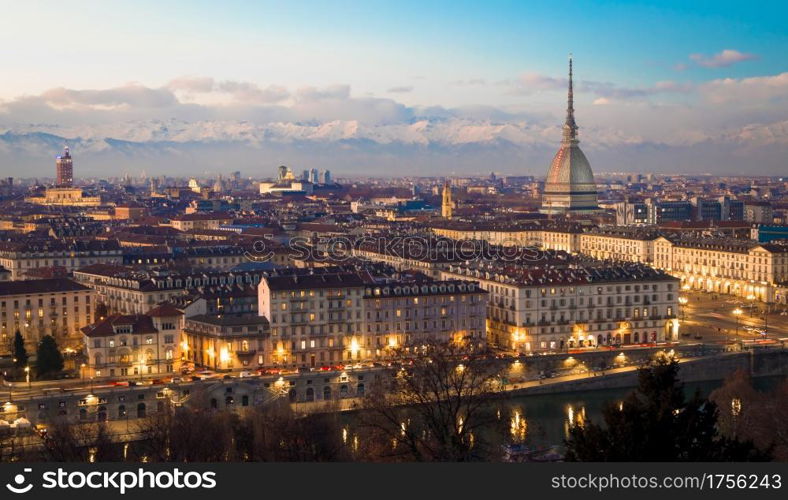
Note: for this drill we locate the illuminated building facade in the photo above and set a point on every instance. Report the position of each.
(64, 170)
(541, 309)
(134, 344)
(322, 320)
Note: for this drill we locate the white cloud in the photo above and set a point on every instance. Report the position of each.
(332, 92)
(183, 113)
(400, 90)
(722, 59)
(758, 90)
(244, 92)
(529, 83)
(128, 95)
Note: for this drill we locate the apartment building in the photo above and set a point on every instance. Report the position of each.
(126, 290)
(35, 308)
(125, 345)
(21, 257)
(211, 220)
(314, 318)
(330, 318)
(744, 268)
(551, 309)
(227, 341)
(620, 243)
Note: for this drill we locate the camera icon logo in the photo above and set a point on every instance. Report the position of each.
(19, 483)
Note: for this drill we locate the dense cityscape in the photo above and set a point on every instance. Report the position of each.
(130, 306)
(299, 247)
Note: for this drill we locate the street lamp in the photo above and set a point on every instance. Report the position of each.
(27, 376)
(751, 298)
(683, 302)
(737, 312)
(82, 371)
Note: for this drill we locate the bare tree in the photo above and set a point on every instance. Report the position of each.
(186, 435)
(748, 414)
(276, 432)
(434, 406)
(67, 441)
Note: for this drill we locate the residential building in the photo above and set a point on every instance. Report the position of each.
(345, 317)
(533, 309)
(129, 291)
(20, 257)
(125, 345)
(200, 220)
(227, 341)
(35, 308)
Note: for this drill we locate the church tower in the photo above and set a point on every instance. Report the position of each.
(570, 186)
(446, 206)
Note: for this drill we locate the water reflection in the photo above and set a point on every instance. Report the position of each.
(574, 416)
(518, 427)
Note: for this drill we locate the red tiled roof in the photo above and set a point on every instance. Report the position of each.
(140, 323)
(164, 311)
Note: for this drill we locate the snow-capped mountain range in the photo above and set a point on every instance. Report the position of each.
(424, 145)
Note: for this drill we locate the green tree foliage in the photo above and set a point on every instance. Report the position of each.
(49, 360)
(20, 353)
(657, 423)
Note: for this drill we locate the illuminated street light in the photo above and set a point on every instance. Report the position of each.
(682, 305)
(736, 313)
(751, 298)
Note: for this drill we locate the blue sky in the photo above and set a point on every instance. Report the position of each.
(375, 46)
(700, 70)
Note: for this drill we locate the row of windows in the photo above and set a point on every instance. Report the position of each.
(124, 341)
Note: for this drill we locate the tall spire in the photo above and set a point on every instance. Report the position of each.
(570, 127)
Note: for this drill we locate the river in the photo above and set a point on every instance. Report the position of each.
(542, 421)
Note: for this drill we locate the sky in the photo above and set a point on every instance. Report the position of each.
(356, 86)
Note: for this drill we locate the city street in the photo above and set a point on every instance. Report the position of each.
(723, 318)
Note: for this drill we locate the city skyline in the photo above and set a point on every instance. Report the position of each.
(701, 89)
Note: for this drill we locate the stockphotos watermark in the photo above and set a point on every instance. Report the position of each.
(117, 481)
(338, 249)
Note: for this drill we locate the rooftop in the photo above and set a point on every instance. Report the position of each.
(54, 285)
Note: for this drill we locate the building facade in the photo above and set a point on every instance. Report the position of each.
(129, 291)
(64, 170)
(347, 317)
(23, 257)
(58, 307)
(227, 341)
(125, 345)
(541, 309)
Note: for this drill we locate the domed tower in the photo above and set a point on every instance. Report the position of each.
(570, 186)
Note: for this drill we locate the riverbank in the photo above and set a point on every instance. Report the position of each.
(758, 363)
